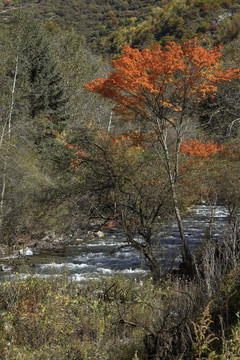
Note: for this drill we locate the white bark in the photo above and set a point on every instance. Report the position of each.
(8, 125)
(172, 171)
(110, 121)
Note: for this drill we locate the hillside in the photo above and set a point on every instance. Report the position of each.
(110, 24)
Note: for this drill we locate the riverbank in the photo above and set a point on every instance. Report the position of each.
(118, 319)
(29, 253)
(125, 318)
(27, 249)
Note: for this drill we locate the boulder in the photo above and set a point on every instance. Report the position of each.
(25, 252)
(100, 234)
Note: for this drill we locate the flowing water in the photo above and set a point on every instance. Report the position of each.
(109, 256)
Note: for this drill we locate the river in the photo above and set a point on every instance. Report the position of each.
(104, 256)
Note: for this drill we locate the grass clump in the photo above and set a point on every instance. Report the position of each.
(59, 319)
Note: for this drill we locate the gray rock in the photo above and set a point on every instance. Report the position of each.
(100, 234)
(25, 252)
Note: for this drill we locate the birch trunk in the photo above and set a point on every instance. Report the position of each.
(172, 172)
(7, 124)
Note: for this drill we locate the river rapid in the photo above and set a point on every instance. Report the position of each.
(108, 256)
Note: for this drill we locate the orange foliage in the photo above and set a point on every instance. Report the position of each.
(79, 155)
(78, 159)
(109, 225)
(135, 139)
(160, 81)
(199, 148)
(72, 146)
(200, 153)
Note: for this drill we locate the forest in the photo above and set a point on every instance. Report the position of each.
(120, 115)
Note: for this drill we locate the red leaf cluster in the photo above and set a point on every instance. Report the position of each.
(199, 148)
(152, 81)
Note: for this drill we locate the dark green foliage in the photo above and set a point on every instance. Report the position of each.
(45, 88)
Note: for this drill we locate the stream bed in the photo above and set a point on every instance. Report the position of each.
(107, 255)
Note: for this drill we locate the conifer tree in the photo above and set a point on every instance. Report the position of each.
(38, 70)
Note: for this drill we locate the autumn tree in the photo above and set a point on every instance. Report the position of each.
(115, 173)
(160, 87)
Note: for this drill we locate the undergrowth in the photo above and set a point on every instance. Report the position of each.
(118, 319)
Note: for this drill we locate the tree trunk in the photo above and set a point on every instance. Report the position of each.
(153, 264)
(9, 123)
(186, 254)
(146, 250)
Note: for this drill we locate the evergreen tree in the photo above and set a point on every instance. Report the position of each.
(44, 87)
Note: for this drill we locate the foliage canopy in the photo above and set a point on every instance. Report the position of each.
(162, 81)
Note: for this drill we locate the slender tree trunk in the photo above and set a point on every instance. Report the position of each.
(186, 254)
(9, 123)
(110, 121)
